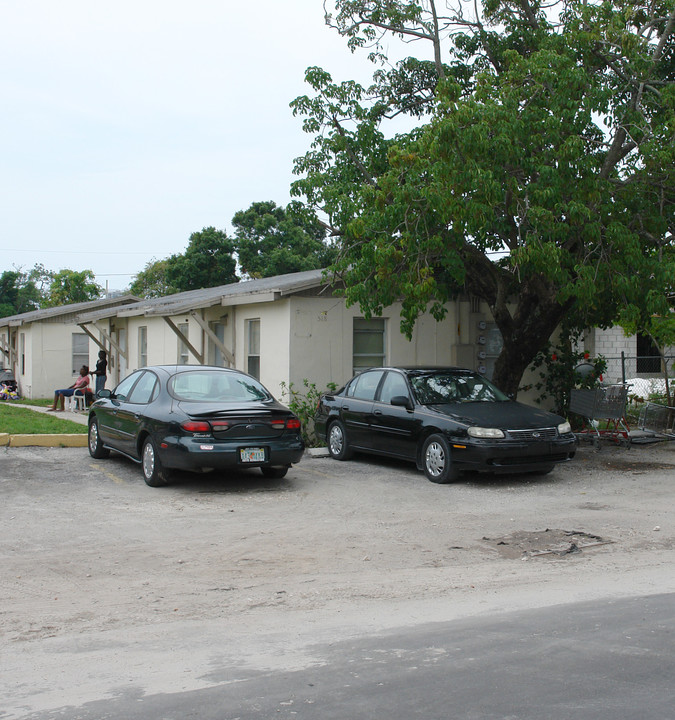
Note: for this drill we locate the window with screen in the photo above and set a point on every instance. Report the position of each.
(80, 352)
(369, 344)
(253, 348)
(142, 346)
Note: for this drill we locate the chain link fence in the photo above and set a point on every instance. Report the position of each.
(645, 375)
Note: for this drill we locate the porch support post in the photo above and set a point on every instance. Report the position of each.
(199, 357)
(213, 337)
(106, 335)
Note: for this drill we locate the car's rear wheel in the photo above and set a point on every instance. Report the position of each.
(96, 449)
(154, 474)
(338, 447)
(436, 460)
(274, 473)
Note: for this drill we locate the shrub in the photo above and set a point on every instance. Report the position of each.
(559, 373)
(304, 404)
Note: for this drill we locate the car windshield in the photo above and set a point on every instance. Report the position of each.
(215, 386)
(449, 387)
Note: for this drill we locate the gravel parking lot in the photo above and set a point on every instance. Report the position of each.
(107, 582)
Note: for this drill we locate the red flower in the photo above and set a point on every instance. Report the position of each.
(586, 356)
(554, 357)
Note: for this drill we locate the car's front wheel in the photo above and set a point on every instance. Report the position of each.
(154, 474)
(436, 460)
(338, 447)
(96, 449)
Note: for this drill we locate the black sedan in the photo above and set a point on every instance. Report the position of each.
(194, 418)
(446, 420)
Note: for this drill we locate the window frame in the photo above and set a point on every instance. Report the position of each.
(142, 346)
(361, 328)
(182, 350)
(80, 353)
(216, 357)
(648, 360)
(253, 361)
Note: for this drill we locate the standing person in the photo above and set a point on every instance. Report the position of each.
(101, 371)
(81, 384)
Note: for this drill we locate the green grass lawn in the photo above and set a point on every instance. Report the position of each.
(40, 402)
(21, 421)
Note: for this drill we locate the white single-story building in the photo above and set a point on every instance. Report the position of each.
(46, 348)
(283, 330)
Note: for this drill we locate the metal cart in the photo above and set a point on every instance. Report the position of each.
(606, 403)
(657, 419)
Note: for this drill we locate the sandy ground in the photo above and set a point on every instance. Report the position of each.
(109, 585)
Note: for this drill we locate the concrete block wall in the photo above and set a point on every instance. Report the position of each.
(610, 343)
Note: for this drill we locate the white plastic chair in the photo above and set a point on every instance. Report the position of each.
(75, 403)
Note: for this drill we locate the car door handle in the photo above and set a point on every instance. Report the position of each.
(377, 412)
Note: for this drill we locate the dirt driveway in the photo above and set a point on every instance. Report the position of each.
(109, 584)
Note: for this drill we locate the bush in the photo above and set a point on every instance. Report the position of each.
(304, 405)
(558, 366)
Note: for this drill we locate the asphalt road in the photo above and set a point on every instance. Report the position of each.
(608, 660)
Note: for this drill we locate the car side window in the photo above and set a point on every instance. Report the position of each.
(144, 390)
(365, 386)
(394, 384)
(124, 388)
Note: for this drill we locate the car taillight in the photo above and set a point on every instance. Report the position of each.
(289, 424)
(196, 426)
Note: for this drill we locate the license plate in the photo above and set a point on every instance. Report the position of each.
(251, 455)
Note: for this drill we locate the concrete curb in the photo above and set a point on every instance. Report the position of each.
(78, 440)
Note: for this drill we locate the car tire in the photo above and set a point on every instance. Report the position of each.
(338, 446)
(436, 460)
(154, 474)
(274, 473)
(96, 449)
(544, 471)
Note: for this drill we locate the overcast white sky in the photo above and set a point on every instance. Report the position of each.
(128, 125)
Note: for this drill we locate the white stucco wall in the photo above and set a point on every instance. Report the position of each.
(321, 348)
(48, 358)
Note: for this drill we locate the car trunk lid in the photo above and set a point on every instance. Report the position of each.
(236, 422)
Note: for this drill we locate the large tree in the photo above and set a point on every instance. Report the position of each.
(9, 292)
(71, 286)
(539, 175)
(207, 262)
(21, 291)
(151, 282)
(272, 240)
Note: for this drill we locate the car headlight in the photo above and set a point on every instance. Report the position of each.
(480, 432)
(564, 428)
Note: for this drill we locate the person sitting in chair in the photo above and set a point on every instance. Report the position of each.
(81, 384)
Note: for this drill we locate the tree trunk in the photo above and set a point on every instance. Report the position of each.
(526, 314)
(525, 333)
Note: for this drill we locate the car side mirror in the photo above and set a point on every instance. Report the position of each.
(104, 393)
(402, 401)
